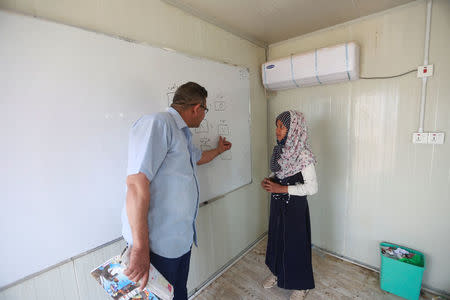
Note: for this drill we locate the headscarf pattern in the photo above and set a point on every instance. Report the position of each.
(285, 118)
(293, 153)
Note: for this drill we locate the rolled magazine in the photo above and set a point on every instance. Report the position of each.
(110, 275)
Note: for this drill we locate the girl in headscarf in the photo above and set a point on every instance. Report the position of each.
(293, 177)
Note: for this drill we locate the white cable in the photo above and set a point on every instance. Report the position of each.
(425, 62)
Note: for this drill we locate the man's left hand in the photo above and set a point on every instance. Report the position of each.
(223, 145)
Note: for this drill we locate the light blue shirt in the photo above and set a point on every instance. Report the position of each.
(160, 146)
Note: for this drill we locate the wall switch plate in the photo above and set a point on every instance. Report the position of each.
(420, 138)
(425, 71)
(436, 137)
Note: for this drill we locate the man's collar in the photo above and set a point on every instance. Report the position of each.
(178, 119)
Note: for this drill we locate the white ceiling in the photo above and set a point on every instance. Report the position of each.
(266, 22)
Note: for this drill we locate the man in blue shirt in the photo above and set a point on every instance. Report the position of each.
(158, 218)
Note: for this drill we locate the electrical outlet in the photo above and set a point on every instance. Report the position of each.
(420, 138)
(436, 137)
(425, 71)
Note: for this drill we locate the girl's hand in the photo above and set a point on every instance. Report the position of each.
(273, 187)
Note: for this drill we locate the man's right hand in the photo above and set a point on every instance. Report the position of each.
(138, 202)
(139, 266)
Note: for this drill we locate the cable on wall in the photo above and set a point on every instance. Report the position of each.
(387, 77)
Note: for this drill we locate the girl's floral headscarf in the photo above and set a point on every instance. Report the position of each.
(293, 153)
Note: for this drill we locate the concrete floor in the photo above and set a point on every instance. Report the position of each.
(334, 279)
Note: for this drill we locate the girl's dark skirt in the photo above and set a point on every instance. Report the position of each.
(288, 253)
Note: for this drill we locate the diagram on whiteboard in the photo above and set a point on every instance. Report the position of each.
(170, 93)
(205, 144)
(223, 128)
(227, 155)
(203, 128)
(219, 106)
(243, 73)
(209, 130)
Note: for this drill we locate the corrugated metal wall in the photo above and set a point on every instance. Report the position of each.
(374, 184)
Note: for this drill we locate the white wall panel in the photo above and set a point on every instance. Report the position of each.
(57, 283)
(374, 184)
(87, 286)
(241, 216)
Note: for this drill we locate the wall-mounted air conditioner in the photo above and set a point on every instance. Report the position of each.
(321, 66)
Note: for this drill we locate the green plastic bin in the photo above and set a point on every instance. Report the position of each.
(401, 278)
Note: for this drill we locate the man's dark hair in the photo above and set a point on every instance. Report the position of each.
(190, 93)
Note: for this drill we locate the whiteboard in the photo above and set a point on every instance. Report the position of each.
(68, 98)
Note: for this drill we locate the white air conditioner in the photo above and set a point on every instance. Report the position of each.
(321, 66)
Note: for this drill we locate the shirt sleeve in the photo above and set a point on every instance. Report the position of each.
(309, 187)
(197, 153)
(148, 145)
